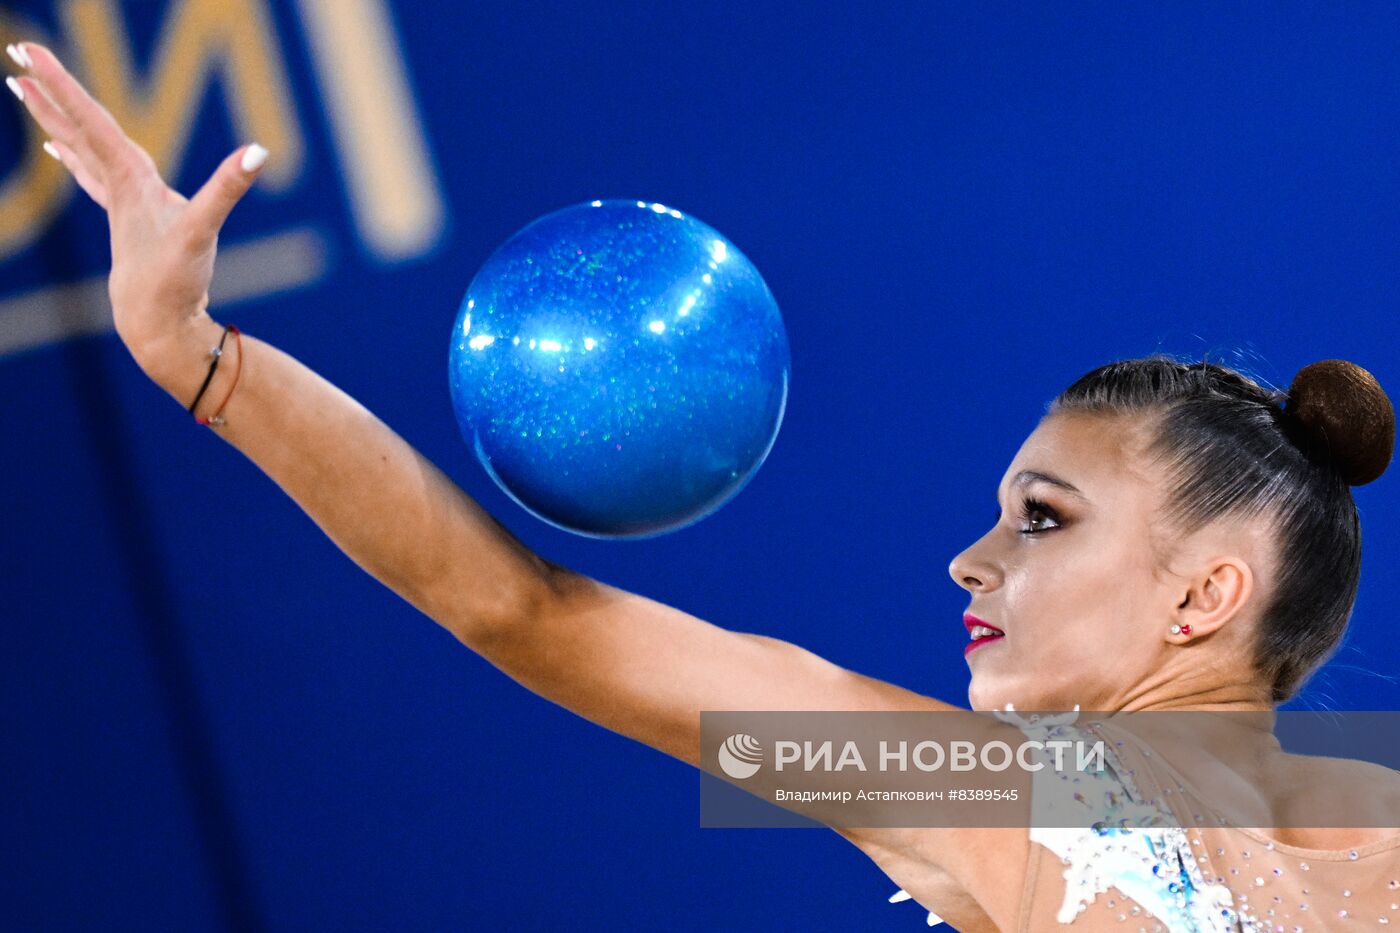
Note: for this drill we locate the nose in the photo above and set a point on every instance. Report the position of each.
(973, 571)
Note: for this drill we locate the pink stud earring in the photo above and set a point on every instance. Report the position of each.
(1181, 630)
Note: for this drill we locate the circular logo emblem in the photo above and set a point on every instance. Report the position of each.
(740, 756)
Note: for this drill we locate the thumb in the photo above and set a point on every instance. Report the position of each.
(212, 204)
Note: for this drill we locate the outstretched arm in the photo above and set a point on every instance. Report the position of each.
(624, 661)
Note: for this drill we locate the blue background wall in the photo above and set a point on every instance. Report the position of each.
(210, 718)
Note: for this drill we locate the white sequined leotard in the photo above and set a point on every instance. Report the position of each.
(1175, 877)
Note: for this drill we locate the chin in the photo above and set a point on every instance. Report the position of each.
(985, 696)
(981, 699)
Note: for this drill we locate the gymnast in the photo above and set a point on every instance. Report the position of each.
(1171, 536)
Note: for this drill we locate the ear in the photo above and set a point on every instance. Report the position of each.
(1213, 596)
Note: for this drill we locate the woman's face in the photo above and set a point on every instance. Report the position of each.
(1070, 572)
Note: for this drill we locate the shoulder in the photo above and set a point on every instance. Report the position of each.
(1348, 774)
(1362, 799)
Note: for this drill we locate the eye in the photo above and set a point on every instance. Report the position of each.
(1034, 513)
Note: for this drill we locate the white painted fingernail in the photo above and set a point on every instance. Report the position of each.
(20, 54)
(13, 85)
(52, 150)
(253, 158)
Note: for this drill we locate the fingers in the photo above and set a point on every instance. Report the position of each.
(52, 120)
(210, 206)
(70, 115)
(62, 133)
(92, 186)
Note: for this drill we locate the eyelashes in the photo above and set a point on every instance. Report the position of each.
(1032, 507)
(1031, 511)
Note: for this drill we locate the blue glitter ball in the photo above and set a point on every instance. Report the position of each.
(619, 368)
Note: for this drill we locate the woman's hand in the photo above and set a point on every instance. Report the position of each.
(163, 244)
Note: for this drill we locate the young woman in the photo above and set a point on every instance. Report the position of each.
(1170, 538)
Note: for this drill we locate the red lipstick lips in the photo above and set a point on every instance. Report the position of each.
(971, 622)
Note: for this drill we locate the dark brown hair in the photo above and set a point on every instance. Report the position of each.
(1235, 448)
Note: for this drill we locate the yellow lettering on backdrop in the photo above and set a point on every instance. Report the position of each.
(393, 190)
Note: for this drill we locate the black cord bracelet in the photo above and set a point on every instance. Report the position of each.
(216, 353)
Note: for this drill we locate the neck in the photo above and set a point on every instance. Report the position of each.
(1242, 694)
(1223, 719)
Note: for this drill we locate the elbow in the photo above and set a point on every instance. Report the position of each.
(517, 605)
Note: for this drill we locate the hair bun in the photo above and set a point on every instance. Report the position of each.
(1346, 415)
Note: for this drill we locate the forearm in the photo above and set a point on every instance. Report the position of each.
(387, 507)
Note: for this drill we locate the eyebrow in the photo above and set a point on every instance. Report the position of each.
(1026, 477)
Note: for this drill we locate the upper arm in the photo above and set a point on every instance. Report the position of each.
(646, 670)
